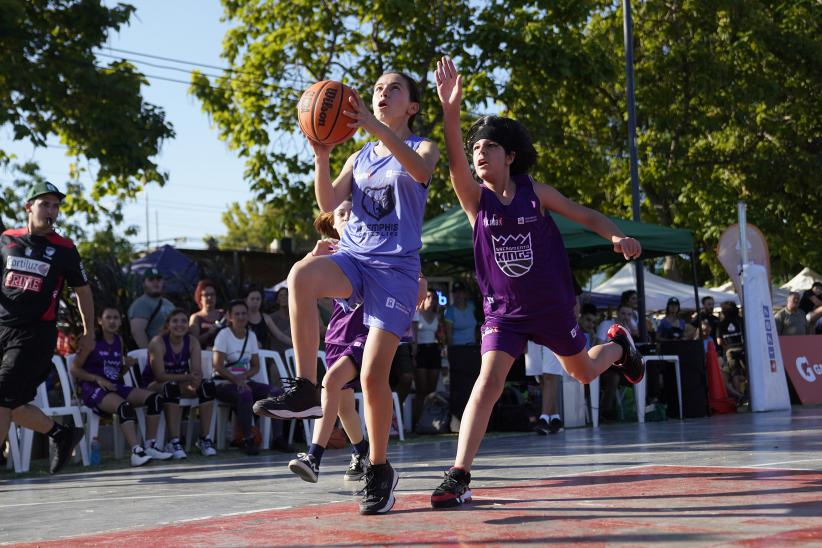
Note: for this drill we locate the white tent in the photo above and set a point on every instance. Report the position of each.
(658, 290)
(802, 281)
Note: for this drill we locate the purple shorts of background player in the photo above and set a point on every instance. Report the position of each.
(92, 395)
(334, 352)
(557, 331)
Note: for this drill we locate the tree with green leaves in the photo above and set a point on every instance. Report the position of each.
(727, 101)
(52, 86)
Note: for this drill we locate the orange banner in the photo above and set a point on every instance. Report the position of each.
(802, 356)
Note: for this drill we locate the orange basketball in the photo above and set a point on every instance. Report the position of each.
(320, 112)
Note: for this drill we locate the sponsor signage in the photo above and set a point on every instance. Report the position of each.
(802, 356)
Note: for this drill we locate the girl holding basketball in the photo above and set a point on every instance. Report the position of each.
(522, 269)
(376, 266)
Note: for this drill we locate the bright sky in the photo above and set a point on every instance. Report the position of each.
(204, 175)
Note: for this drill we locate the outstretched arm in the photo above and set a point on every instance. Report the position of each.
(449, 90)
(419, 163)
(551, 198)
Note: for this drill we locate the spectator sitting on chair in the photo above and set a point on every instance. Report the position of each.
(100, 372)
(732, 342)
(707, 338)
(671, 327)
(236, 361)
(206, 322)
(791, 320)
(261, 323)
(174, 370)
(282, 319)
(147, 314)
(610, 378)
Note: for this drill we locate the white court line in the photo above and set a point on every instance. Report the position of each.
(138, 497)
(749, 466)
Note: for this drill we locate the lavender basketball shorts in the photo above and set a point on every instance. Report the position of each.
(92, 395)
(333, 352)
(558, 331)
(388, 295)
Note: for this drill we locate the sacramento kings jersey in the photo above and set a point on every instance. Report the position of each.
(385, 227)
(522, 266)
(346, 328)
(106, 359)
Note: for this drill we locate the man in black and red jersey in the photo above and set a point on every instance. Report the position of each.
(36, 262)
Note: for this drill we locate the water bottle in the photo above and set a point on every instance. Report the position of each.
(95, 452)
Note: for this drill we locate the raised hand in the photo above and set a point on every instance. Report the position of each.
(362, 115)
(449, 84)
(320, 150)
(324, 247)
(629, 247)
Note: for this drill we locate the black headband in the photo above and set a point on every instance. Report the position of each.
(494, 133)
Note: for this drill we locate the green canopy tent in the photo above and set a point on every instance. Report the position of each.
(448, 239)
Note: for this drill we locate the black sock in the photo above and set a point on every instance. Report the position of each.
(56, 430)
(317, 452)
(361, 448)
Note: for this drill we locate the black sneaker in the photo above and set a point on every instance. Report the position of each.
(306, 467)
(356, 468)
(542, 427)
(301, 400)
(633, 368)
(250, 446)
(378, 493)
(453, 490)
(63, 446)
(555, 425)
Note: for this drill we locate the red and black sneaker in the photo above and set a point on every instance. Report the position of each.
(453, 490)
(633, 368)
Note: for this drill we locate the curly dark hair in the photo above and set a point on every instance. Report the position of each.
(509, 133)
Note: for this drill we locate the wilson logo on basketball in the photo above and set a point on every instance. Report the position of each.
(327, 104)
(513, 254)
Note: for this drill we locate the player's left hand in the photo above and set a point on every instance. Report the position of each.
(629, 247)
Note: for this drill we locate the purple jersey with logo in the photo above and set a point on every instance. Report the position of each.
(174, 363)
(346, 328)
(522, 266)
(385, 227)
(106, 359)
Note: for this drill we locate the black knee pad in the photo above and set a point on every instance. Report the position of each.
(126, 413)
(154, 404)
(207, 391)
(171, 392)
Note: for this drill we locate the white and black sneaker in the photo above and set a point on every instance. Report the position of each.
(542, 427)
(176, 449)
(206, 447)
(139, 456)
(378, 493)
(301, 400)
(306, 467)
(356, 468)
(555, 425)
(157, 454)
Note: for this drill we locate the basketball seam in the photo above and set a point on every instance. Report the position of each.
(339, 111)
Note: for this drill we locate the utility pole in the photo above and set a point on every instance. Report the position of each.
(148, 239)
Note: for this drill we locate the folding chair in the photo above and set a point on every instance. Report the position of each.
(285, 373)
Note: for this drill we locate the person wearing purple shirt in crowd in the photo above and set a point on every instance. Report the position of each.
(100, 372)
(377, 264)
(522, 269)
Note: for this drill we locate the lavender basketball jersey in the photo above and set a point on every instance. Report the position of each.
(385, 227)
(106, 359)
(522, 266)
(345, 328)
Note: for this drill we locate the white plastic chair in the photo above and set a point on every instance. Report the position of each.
(15, 459)
(223, 409)
(291, 360)
(359, 398)
(285, 373)
(68, 408)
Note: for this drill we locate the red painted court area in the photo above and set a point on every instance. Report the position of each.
(645, 504)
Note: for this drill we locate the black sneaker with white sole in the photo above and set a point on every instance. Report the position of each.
(356, 468)
(555, 425)
(378, 493)
(306, 467)
(453, 491)
(63, 445)
(633, 368)
(542, 428)
(301, 400)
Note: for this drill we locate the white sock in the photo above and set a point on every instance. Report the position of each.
(555, 417)
(546, 418)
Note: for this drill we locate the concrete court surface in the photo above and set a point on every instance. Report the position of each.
(730, 480)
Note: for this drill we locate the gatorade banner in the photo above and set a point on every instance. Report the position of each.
(766, 374)
(803, 362)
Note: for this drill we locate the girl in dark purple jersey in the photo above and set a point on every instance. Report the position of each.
(522, 269)
(100, 372)
(344, 343)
